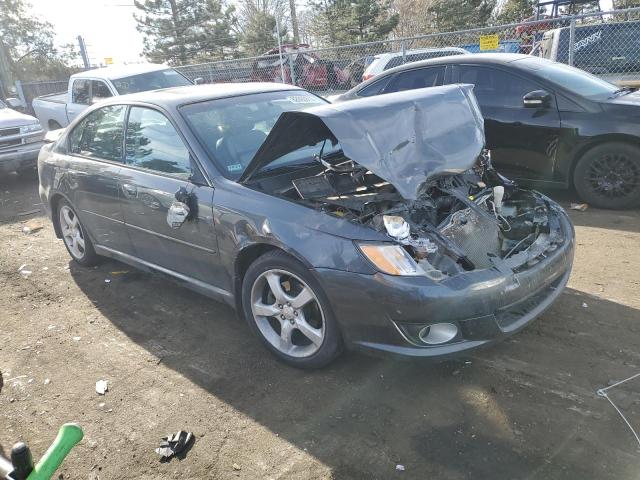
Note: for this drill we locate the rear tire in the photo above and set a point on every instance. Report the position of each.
(287, 309)
(74, 235)
(608, 176)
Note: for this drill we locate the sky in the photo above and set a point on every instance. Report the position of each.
(107, 26)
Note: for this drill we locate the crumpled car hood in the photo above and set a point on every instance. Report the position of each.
(405, 138)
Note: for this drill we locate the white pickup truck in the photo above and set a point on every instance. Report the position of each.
(86, 88)
(21, 137)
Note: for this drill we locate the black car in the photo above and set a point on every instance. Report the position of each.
(546, 123)
(374, 224)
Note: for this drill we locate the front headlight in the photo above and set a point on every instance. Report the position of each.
(391, 259)
(34, 127)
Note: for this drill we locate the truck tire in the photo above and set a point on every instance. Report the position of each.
(608, 176)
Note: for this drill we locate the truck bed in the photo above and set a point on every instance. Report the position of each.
(53, 97)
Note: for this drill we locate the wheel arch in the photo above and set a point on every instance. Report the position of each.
(53, 124)
(53, 204)
(597, 141)
(246, 256)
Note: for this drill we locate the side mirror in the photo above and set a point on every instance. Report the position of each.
(198, 81)
(537, 99)
(14, 103)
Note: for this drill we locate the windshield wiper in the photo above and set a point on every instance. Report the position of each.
(622, 91)
(282, 169)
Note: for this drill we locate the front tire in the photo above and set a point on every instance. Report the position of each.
(608, 176)
(288, 310)
(74, 235)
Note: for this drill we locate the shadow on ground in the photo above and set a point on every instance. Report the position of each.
(524, 409)
(18, 195)
(625, 220)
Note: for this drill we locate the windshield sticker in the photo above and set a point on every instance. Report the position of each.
(236, 167)
(302, 99)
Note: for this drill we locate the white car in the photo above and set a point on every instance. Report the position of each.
(385, 61)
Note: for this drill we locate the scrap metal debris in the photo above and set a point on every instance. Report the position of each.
(175, 445)
(32, 226)
(400, 467)
(602, 392)
(102, 387)
(23, 271)
(581, 207)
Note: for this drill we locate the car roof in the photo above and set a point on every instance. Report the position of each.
(382, 56)
(120, 71)
(176, 96)
(489, 58)
(501, 58)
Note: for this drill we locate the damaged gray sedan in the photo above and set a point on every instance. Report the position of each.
(377, 224)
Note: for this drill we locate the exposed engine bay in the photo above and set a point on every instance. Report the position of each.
(462, 222)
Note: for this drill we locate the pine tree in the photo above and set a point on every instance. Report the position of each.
(183, 31)
(339, 22)
(514, 11)
(257, 24)
(462, 14)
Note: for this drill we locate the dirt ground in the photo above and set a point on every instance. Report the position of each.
(524, 409)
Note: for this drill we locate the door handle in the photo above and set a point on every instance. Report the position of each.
(176, 215)
(129, 190)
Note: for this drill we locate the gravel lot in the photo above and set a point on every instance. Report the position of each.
(526, 408)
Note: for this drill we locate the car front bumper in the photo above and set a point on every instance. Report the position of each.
(23, 156)
(376, 311)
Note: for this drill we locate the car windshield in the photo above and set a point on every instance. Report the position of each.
(233, 129)
(150, 81)
(578, 81)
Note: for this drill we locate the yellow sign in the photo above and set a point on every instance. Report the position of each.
(109, 60)
(489, 42)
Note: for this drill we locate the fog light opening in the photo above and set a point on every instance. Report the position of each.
(438, 333)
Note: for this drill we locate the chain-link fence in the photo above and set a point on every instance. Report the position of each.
(603, 43)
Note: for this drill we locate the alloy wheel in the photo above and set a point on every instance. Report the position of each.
(72, 232)
(613, 175)
(288, 313)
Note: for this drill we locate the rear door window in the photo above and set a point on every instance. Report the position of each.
(417, 78)
(154, 144)
(80, 92)
(99, 134)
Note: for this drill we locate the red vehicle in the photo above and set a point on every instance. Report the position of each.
(309, 71)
